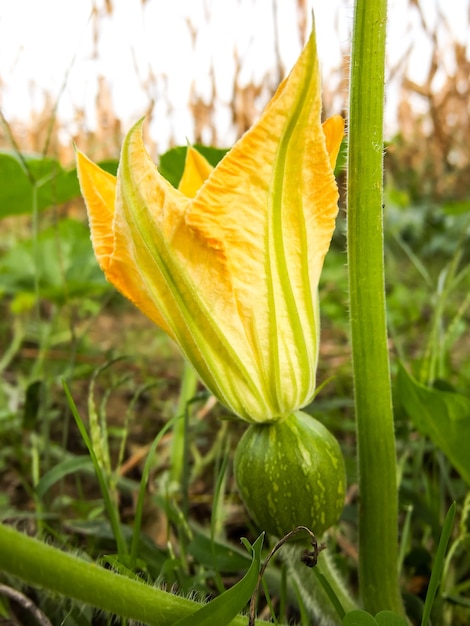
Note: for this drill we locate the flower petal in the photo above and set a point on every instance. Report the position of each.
(333, 128)
(184, 278)
(99, 190)
(229, 264)
(269, 207)
(196, 170)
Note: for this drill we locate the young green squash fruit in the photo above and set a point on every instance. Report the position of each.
(291, 473)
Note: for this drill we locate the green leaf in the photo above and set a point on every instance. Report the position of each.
(226, 606)
(32, 404)
(384, 618)
(108, 165)
(37, 174)
(359, 618)
(142, 488)
(224, 558)
(441, 415)
(60, 260)
(438, 566)
(102, 533)
(69, 466)
(456, 207)
(171, 164)
(52, 183)
(389, 618)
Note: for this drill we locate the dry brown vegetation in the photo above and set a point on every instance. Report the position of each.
(429, 154)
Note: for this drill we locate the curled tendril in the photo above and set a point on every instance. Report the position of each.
(308, 558)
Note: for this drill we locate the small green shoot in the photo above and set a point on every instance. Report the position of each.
(438, 566)
(111, 508)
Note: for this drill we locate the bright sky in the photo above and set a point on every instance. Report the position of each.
(45, 44)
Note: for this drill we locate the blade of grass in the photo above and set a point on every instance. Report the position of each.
(188, 390)
(269, 602)
(405, 538)
(143, 485)
(111, 510)
(438, 566)
(217, 516)
(330, 592)
(57, 472)
(98, 425)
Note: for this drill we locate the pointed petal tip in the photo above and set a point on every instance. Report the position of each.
(196, 171)
(134, 139)
(91, 176)
(139, 123)
(333, 128)
(98, 188)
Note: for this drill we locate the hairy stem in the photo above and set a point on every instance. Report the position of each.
(40, 564)
(378, 542)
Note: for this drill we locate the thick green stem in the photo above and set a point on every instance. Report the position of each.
(378, 544)
(45, 566)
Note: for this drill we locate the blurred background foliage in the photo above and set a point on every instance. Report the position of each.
(60, 319)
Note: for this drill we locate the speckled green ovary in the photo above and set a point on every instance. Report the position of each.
(291, 473)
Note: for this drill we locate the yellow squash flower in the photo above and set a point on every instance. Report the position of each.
(229, 264)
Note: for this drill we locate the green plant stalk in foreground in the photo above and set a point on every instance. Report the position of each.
(44, 566)
(378, 514)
